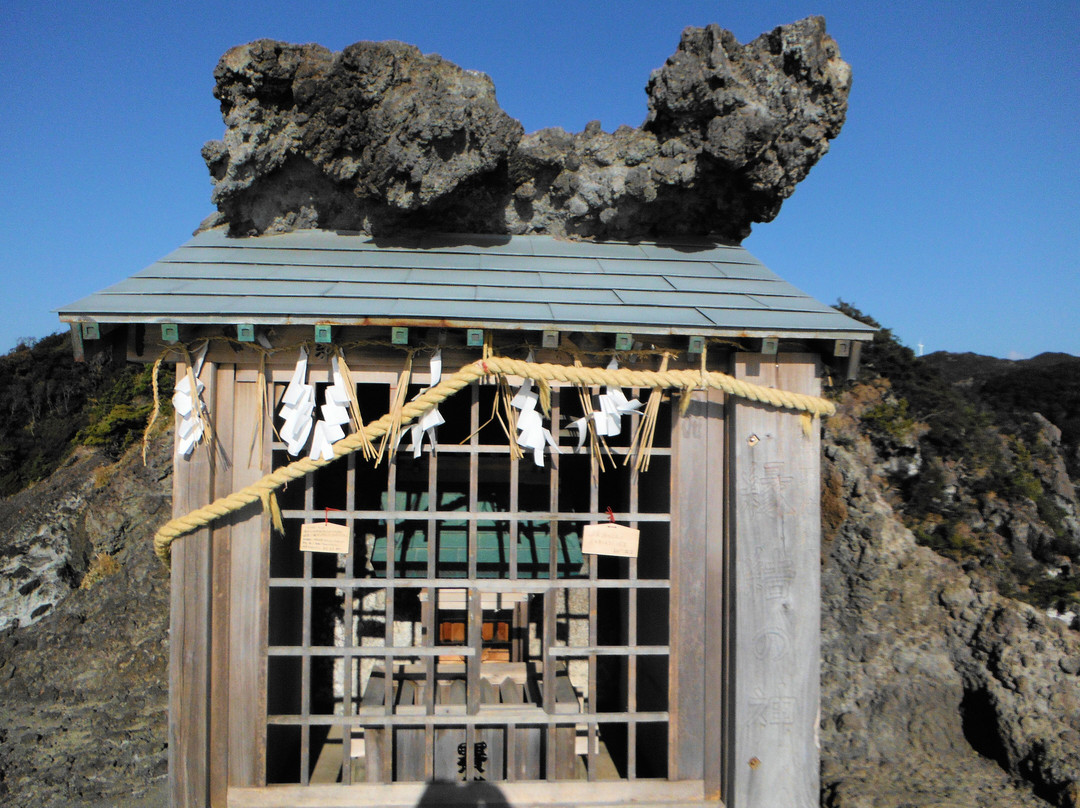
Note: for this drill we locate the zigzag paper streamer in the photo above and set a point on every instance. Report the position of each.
(427, 422)
(189, 406)
(530, 424)
(297, 406)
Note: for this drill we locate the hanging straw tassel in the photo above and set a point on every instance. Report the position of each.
(806, 420)
(390, 437)
(544, 390)
(264, 409)
(270, 506)
(684, 396)
(157, 405)
(685, 399)
(646, 432)
(354, 407)
(509, 423)
(597, 444)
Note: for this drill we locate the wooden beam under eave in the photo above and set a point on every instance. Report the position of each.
(77, 342)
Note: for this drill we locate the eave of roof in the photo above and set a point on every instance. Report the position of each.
(505, 282)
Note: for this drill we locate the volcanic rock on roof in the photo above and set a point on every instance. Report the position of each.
(380, 137)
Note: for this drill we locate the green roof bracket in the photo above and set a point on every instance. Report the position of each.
(696, 346)
(474, 337)
(324, 334)
(770, 346)
(91, 331)
(170, 333)
(399, 335)
(245, 332)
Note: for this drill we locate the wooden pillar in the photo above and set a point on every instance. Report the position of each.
(189, 627)
(697, 563)
(217, 676)
(249, 595)
(223, 414)
(774, 605)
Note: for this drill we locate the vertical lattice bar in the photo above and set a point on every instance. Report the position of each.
(472, 669)
(594, 507)
(429, 615)
(551, 604)
(632, 624)
(305, 648)
(347, 594)
(386, 753)
(515, 476)
(475, 602)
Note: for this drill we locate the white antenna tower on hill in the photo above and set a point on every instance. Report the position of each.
(921, 346)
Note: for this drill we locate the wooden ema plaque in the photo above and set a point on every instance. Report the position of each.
(325, 537)
(610, 539)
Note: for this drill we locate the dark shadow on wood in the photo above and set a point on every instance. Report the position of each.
(463, 794)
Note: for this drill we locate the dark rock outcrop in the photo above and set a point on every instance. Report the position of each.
(84, 689)
(380, 136)
(936, 690)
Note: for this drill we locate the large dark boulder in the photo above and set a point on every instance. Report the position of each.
(381, 137)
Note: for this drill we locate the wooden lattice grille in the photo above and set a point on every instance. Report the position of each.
(466, 583)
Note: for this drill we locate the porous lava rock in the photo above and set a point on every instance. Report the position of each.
(84, 685)
(380, 137)
(935, 689)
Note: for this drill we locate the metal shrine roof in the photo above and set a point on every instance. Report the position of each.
(522, 282)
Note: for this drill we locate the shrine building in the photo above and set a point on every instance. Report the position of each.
(470, 518)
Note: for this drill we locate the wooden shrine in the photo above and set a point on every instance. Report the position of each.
(464, 409)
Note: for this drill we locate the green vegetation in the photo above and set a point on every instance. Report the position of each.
(118, 416)
(980, 457)
(890, 419)
(49, 403)
(1052, 390)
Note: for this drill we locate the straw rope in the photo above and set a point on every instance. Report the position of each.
(491, 365)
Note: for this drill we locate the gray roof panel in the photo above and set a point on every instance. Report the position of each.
(272, 257)
(494, 281)
(668, 316)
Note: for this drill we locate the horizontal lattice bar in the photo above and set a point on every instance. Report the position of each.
(529, 585)
(485, 718)
(370, 651)
(421, 515)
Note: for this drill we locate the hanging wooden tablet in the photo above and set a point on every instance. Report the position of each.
(325, 537)
(610, 539)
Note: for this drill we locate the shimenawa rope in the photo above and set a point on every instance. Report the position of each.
(262, 490)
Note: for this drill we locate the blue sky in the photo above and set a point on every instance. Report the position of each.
(947, 209)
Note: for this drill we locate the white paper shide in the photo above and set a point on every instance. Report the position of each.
(189, 406)
(607, 417)
(426, 423)
(297, 406)
(532, 434)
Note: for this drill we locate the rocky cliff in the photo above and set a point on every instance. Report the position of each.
(379, 137)
(936, 689)
(84, 655)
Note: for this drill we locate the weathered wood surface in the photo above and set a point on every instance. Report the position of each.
(775, 522)
(248, 601)
(696, 491)
(224, 416)
(189, 627)
(642, 793)
(716, 587)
